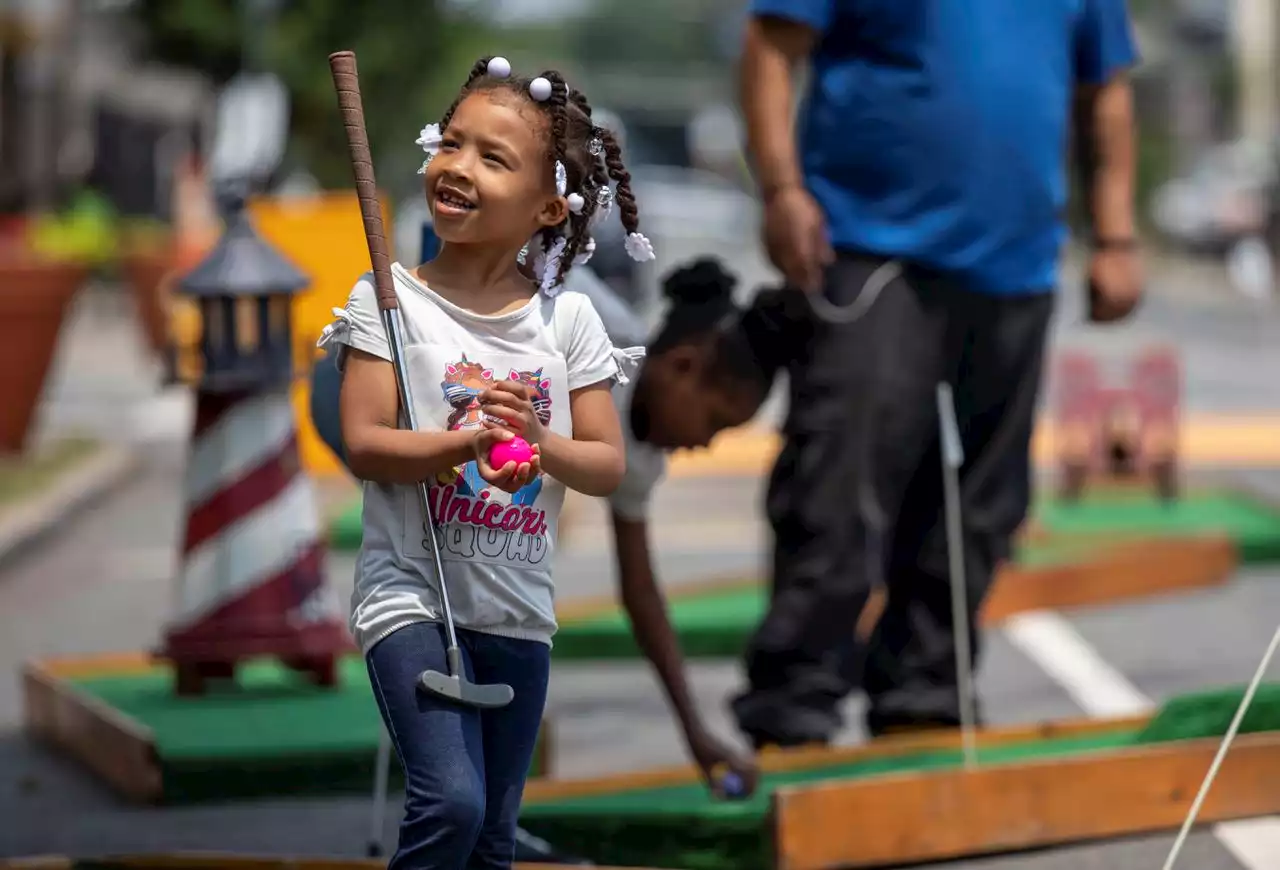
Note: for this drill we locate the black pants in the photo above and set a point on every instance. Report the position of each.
(855, 499)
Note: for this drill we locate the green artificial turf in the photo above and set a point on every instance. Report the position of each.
(1253, 524)
(270, 732)
(345, 529)
(716, 624)
(684, 826)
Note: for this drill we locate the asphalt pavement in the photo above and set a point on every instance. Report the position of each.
(105, 581)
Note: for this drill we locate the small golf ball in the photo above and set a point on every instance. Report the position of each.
(732, 785)
(516, 450)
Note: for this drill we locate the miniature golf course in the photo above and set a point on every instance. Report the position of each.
(269, 732)
(1249, 520)
(714, 620)
(682, 825)
(1246, 518)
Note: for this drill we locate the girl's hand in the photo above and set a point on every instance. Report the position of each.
(510, 478)
(510, 404)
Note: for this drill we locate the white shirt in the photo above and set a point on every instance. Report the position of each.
(646, 464)
(497, 548)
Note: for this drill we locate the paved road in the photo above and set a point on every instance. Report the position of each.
(104, 584)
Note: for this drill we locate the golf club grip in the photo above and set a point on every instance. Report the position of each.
(346, 81)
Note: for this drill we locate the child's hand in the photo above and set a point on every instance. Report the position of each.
(511, 404)
(511, 477)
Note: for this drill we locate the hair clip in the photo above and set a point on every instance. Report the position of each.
(588, 248)
(604, 204)
(562, 179)
(540, 89)
(422, 170)
(430, 138)
(498, 67)
(639, 248)
(551, 267)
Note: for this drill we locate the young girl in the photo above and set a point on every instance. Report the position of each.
(515, 171)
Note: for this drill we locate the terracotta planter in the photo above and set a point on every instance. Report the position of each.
(34, 297)
(145, 271)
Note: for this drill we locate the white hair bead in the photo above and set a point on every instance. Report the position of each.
(540, 89)
(499, 67)
(576, 202)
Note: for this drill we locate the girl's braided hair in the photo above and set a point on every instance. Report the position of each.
(590, 155)
(750, 344)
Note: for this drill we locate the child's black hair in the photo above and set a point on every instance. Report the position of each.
(749, 345)
(571, 133)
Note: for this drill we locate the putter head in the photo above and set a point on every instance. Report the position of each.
(463, 691)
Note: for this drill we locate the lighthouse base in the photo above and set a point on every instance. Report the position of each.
(312, 651)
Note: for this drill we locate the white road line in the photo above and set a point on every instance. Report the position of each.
(1255, 843)
(1050, 641)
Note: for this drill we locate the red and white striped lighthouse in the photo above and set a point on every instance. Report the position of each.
(252, 581)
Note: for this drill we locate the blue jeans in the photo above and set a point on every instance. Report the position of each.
(464, 768)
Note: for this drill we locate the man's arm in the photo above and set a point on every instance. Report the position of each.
(1105, 155)
(1104, 121)
(773, 49)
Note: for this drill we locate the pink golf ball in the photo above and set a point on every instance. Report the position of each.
(516, 450)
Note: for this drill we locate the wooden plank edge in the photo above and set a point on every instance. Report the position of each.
(124, 663)
(46, 676)
(116, 747)
(1124, 568)
(1119, 572)
(950, 814)
(231, 861)
(807, 758)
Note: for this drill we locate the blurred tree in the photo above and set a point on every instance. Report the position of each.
(412, 56)
(655, 35)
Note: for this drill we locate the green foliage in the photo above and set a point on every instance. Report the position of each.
(411, 56)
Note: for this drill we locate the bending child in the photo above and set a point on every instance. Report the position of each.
(515, 170)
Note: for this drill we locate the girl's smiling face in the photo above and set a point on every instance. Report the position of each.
(492, 180)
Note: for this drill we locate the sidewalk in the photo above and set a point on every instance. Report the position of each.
(103, 382)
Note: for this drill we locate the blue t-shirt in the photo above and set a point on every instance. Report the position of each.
(936, 130)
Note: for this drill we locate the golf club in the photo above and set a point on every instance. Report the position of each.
(952, 458)
(454, 685)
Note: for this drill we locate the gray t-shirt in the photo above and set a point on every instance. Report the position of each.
(497, 548)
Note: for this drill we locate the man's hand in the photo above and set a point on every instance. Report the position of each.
(510, 478)
(795, 237)
(511, 404)
(1115, 284)
(714, 758)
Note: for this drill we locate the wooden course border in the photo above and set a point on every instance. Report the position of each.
(219, 860)
(116, 747)
(1120, 570)
(1002, 807)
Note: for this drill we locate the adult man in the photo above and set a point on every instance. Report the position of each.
(933, 141)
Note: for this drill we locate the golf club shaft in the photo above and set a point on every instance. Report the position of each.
(952, 459)
(346, 81)
(395, 338)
